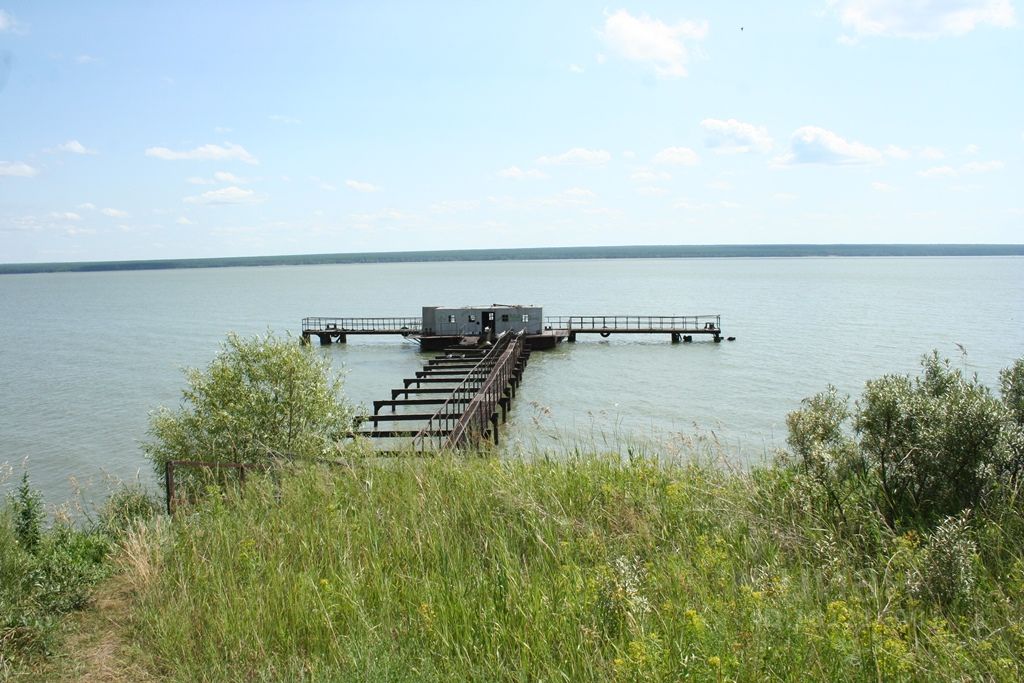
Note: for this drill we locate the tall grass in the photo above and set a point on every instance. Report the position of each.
(49, 567)
(577, 568)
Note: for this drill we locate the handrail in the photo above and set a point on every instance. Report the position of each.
(322, 324)
(477, 414)
(450, 417)
(598, 323)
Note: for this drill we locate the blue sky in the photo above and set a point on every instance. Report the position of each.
(168, 130)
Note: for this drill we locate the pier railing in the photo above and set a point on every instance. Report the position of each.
(634, 323)
(471, 404)
(368, 325)
(483, 408)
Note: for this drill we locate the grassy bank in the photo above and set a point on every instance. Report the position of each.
(571, 569)
(49, 568)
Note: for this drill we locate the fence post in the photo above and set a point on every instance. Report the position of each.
(169, 485)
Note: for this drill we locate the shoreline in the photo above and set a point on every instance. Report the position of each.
(530, 254)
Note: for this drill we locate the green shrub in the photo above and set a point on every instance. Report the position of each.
(126, 506)
(27, 507)
(1011, 382)
(921, 449)
(45, 572)
(258, 397)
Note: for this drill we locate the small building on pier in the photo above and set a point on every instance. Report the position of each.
(479, 321)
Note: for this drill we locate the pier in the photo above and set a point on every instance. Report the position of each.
(461, 396)
(552, 331)
(456, 401)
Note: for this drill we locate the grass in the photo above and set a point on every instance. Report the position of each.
(569, 568)
(48, 570)
(562, 566)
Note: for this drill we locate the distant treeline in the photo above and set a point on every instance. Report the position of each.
(643, 251)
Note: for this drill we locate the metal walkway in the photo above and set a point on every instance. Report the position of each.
(472, 389)
(679, 327)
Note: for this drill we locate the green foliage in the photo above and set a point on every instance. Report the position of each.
(921, 449)
(934, 443)
(125, 507)
(259, 396)
(571, 569)
(27, 506)
(1011, 382)
(44, 573)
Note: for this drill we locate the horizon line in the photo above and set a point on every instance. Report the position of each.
(634, 251)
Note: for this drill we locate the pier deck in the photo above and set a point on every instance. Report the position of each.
(481, 384)
(680, 328)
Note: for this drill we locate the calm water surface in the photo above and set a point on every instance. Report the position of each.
(85, 356)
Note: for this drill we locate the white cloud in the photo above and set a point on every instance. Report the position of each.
(578, 193)
(785, 197)
(455, 205)
(17, 168)
(577, 155)
(721, 185)
(360, 186)
(516, 173)
(218, 177)
(225, 177)
(114, 213)
(894, 152)
(226, 195)
(932, 153)
(88, 206)
(573, 196)
(938, 172)
(74, 147)
(971, 149)
(65, 216)
(575, 68)
(86, 59)
(922, 18)
(652, 42)
(677, 156)
(973, 167)
(645, 175)
(322, 184)
(732, 136)
(982, 166)
(226, 152)
(814, 145)
(882, 187)
(184, 221)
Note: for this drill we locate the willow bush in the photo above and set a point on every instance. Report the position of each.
(918, 450)
(260, 396)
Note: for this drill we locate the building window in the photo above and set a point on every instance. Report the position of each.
(504, 317)
(451, 318)
(526, 318)
(472, 318)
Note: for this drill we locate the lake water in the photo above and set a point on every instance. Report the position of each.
(85, 356)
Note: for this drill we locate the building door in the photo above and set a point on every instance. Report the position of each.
(487, 324)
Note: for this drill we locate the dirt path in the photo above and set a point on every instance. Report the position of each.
(96, 651)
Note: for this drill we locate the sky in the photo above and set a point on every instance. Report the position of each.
(140, 130)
